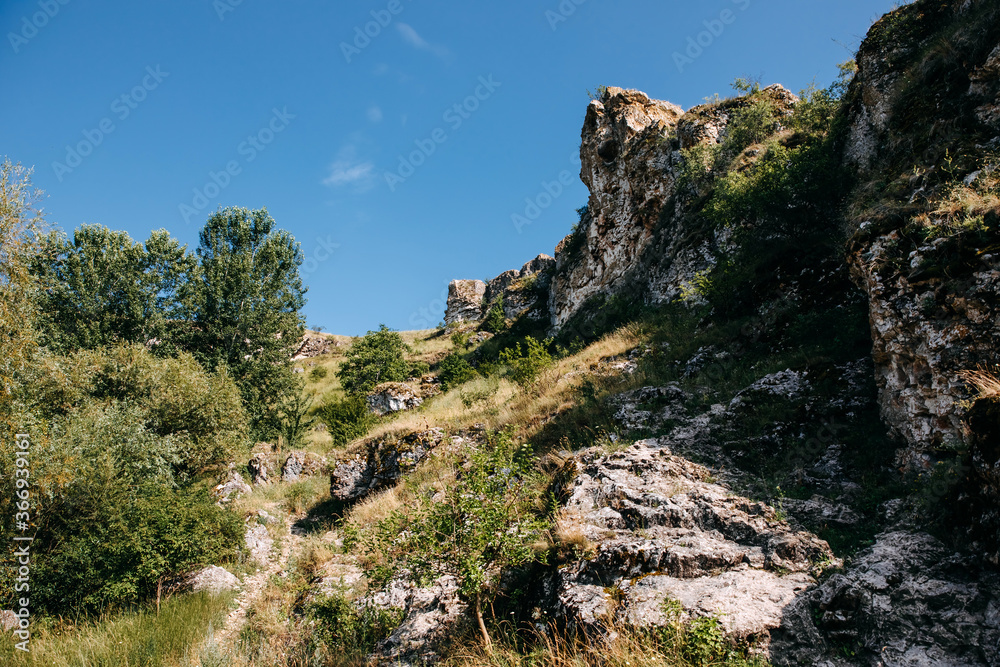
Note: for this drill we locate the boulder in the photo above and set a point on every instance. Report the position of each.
(214, 580)
(301, 464)
(435, 616)
(259, 542)
(8, 620)
(385, 460)
(391, 397)
(258, 466)
(231, 488)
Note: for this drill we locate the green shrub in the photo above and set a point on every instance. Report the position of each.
(495, 321)
(351, 631)
(485, 525)
(347, 418)
(202, 412)
(455, 370)
(109, 516)
(318, 373)
(374, 358)
(415, 369)
(524, 364)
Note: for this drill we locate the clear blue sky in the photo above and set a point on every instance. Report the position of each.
(153, 97)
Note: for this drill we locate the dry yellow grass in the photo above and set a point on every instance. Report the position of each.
(501, 402)
(985, 381)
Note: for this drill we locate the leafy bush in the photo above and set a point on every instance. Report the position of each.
(176, 397)
(455, 370)
(318, 373)
(296, 420)
(374, 358)
(350, 630)
(524, 364)
(109, 515)
(495, 321)
(485, 525)
(347, 418)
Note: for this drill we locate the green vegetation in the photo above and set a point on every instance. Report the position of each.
(346, 632)
(347, 418)
(454, 370)
(495, 321)
(485, 524)
(524, 365)
(376, 357)
(180, 633)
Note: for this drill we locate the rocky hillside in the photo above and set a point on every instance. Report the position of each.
(849, 242)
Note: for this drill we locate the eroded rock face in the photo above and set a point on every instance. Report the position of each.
(630, 239)
(907, 600)
(435, 616)
(301, 464)
(232, 487)
(391, 397)
(523, 291)
(661, 530)
(383, 463)
(465, 301)
(934, 304)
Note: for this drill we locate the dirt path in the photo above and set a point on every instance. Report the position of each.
(253, 585)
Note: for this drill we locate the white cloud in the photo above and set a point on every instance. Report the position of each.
(346, 169)
(375, 114)
(413, 38)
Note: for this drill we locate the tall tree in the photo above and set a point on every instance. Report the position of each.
(20, 223)
(102, 287)
(250, 294)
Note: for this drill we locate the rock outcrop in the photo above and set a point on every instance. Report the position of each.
(465, 301)
(214, 580)
(907, 600)
(933, 290)
(301, 464)
(384, 461)
(631, 237)
(524, 291)
(390, 397)
(661, 531)
(232, 487)
(314, 345)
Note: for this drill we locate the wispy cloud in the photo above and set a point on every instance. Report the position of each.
(347, 169)
(375, 114)
(413, 38)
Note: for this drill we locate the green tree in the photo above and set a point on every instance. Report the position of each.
(102, 287)
(376, 357)
(20, 223)
(455, 370)
(249, 297)
(485, 525)
(495, 320)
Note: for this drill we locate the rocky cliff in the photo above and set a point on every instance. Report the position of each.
(837, 260)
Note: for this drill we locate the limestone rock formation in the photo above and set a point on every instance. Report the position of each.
(232, 487)
(390, 397)
(934, 304)
(465, 301)
(214, 580)
(661, 530)
(384, 461)
(434, 616)
(300, 464)
(523, 291)
(907, 600)
(314, 345)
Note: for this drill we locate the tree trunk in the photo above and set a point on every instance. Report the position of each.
(159, 590)
(487, 642)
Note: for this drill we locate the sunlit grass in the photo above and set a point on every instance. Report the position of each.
(128, 639)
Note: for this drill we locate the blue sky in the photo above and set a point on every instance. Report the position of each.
(151, 114)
